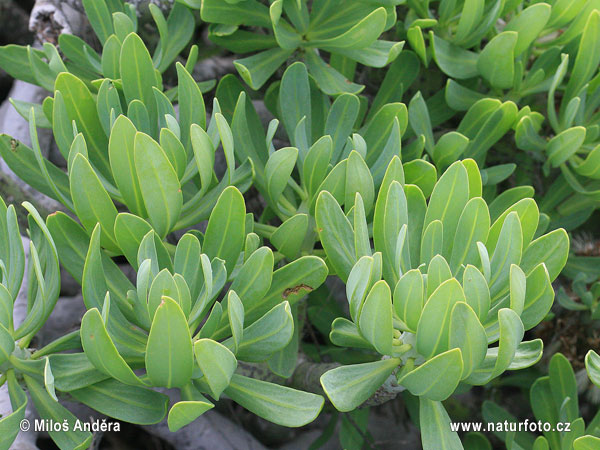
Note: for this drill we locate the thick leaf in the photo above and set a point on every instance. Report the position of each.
(588, 57)
(129, 232)
(191, 104)
(528, 353)
(92, 203)
(257, 69)
(122, 162)
(278, 170)
(278, 404)
(449, 148)
(345, 334)
(409, 298)
(391, 213)
(185, 262)
(101, 351)
(509, 198)
(498, 359)
(81, 108)
(438, 271)
(217, 364)
(539, 296)
(447, 202)
(204, 155)
(49, 409)
(251, 13)
(528, 24)
(180, 27)
(564, 145)
(551, 249)
(14, 60)
(174, 150)
(507, 252)
(100, 18)
(132, 404)
(169, 354)
(435, 427)
(283, 362)
(416, 204)
(586, 443)
(7, 344)
(592, 365)
(544, 408)
(379, 129)
(361, 35)
(473, 226)
(291, 282)
(418, 116)
(365, 273)
(564, 385)
(472, 13)
(453, 60)
(358, 180)
(434, 326)
(477, 293)
(362, 242)
(111, 57)
(487, 122)
(186, 411)
(162, 285)
(138, 113)
(23, 162)
(349, 386)
(432, 241)
(336, 235)
(437, 378)
(254, 278)
(139, 78)
(93, 283)
(528, 213)
(9, 424)
(339, 124)
(12, 254)
(79, 52)
(468, 335)
(375, 320)
(6, 308)
(159, 184)
(329, 80)
(517, 288)
(295, 103)
(267, 335)
(289, 236)
(74, 371)
(235, 313)
(225, 232)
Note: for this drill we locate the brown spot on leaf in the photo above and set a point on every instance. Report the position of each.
(14, 144)
(296, 290)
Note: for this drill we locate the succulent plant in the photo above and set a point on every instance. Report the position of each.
(399, 149)
(441, 284)
(348, 30)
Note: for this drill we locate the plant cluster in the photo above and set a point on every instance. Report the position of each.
(445, 218)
